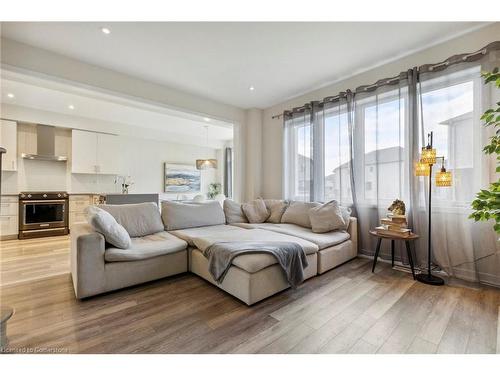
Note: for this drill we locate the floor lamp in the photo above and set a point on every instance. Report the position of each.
(443, 179)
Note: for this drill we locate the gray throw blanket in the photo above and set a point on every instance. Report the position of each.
(290, 256)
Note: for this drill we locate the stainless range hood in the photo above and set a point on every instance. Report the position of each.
(45, 141)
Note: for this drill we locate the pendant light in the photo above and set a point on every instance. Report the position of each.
(206, 163)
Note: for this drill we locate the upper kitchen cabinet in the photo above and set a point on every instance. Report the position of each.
(8, 140)
(95, 153)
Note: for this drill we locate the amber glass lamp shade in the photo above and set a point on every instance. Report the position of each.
(443, 178)
(428, 155)
(422, 169)
(206, 164)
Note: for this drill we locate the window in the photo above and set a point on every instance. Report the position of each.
(381, 140)
(451, 110)
(337, 174)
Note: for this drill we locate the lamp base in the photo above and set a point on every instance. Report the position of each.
(430, 279)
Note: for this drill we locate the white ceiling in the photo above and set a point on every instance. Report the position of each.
(113, 114)
(222, 60)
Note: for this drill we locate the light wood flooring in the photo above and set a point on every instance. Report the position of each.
(346, 310)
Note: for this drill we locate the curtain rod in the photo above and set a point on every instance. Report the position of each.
(456, 59)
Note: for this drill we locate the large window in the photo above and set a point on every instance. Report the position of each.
(380, 142)
(318, 147)
(451, 110)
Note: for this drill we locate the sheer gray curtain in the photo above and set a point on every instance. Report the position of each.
(381, 136)
(298, 154)
(228, 172)
(360, 149)
(451, 101)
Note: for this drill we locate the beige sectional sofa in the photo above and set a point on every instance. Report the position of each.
(97, 267)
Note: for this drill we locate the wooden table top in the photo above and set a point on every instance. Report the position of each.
(411, 237)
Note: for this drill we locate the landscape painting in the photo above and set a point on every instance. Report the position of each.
(181, 178)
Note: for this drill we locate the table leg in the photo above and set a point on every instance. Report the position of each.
(376, 254)
(392, 252)
(410, 258)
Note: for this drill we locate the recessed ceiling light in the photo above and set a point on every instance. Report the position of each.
(206, 119)
(105, 30)
(251, 88)
(11, 95)
(71, 106)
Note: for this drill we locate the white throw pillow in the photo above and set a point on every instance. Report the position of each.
(234, 213)
(255, 211)
(326, 217)
(104, 223)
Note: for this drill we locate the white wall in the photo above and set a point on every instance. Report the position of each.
(272, 133)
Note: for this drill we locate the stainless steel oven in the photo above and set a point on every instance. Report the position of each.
(43, 214)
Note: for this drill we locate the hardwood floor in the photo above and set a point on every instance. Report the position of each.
(346, 310)
(33, 259)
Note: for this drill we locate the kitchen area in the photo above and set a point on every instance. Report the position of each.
(69, 148)
(51, 174)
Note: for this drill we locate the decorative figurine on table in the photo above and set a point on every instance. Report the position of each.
(397, 207)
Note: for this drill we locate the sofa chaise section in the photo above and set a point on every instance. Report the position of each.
(335, 248)
(96, 269)
(252, 277)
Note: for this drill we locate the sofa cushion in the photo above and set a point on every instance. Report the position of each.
(255, 211)
(104, 223)
(233, 212)
(150, 246)
(140, 219)
(204, 241)
(276, 208)
(253, 262)
(298, 213)
(346, 215)
(322, 240)
(189, 233)
(177, 215)
(326, 217)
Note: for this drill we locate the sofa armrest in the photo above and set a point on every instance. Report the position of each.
(87, 260)
(352, 229)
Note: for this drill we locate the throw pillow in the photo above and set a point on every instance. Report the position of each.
(138, 219)
(298, 213)
(234, 213)
(178, 215)
(276, 207)
(326, 217)
(104, 223)
(255, 211)
(346, 215)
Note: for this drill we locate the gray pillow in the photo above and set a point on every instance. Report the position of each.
(298, 213)
(104, 223)
(276, 207)
(177, 215)
(255, 211)
(140, 219)
(346, 215)
(326, 217)
(233, 212)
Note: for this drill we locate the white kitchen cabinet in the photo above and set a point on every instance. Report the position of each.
(108, 154)
(9, 214)
(83, 152)
(95, 153)
(8, 140)
(77, 205)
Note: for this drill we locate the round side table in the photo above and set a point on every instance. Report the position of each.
(407, 240)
